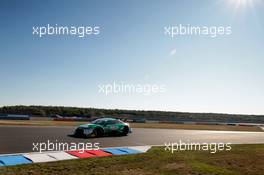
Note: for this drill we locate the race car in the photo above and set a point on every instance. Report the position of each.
(103, 127)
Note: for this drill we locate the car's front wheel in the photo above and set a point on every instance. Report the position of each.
(97, 132)
(79, 133)
(125, 130)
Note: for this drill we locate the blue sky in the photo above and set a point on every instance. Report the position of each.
(223, 74)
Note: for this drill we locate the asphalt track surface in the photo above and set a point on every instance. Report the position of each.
(20, 139)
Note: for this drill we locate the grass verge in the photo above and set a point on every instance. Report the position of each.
(242, 159)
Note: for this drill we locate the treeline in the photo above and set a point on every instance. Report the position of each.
(47, 111)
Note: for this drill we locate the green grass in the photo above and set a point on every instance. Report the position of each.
(242, 159)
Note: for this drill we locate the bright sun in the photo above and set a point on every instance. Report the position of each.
(241, 7)
(242, 3)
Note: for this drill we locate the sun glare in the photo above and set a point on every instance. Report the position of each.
(241, 6)
(241, 3)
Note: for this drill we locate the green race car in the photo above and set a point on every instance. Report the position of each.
(103, 127)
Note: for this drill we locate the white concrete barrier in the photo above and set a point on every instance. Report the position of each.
(140, 148)
(39, 157)
(61, 155)
(49, 156)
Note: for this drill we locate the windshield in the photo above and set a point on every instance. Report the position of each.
(99, 122)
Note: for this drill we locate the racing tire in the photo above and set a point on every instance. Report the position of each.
(79, 133)
(125, 130)
(97, 132)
